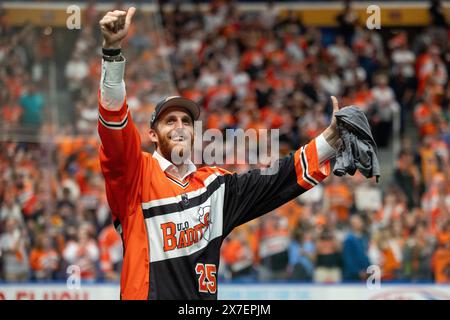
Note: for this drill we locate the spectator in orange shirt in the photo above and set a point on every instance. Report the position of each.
(292, 210)
(44, 260)
(427, 116)
(430, 66)
(385, 253)
(444, 235)
(111, 252)
(441, 263)
(220, 119)
(238, 256)
(363, 96)
(11, 112)
(339, 198)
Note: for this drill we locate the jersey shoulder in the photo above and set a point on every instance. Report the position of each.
(208, 170)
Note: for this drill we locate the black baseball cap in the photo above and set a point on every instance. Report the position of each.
(175, 101)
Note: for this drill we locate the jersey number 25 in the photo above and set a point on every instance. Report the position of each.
(207, 277)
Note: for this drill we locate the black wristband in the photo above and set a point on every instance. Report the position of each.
(111, 52)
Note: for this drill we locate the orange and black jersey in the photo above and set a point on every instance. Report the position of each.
(172, 230)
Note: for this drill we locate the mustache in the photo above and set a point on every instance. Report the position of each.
(180, 133)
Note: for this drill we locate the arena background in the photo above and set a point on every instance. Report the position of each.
(250, 65)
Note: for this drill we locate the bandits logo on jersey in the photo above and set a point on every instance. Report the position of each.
(182, 235)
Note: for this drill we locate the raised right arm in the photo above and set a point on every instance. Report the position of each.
(120, 151)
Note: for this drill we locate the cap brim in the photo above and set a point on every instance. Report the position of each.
(184, 103)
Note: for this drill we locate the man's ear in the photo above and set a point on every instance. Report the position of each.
(152, 135)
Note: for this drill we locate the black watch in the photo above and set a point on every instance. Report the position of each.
(111, 52)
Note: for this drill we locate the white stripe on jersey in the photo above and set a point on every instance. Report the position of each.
(176, 199)
(190, 217)
(115, 125)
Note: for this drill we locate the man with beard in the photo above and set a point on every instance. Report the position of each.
(172, 216)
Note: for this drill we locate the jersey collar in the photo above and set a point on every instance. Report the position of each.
(170, 168)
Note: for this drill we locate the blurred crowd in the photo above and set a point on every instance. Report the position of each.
(257, 70)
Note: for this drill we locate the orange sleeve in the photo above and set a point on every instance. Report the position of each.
(307, 167)
(120, 159)
(34, 260)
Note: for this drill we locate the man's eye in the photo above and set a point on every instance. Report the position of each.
(170, 122)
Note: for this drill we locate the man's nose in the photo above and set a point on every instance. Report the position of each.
(179, 123)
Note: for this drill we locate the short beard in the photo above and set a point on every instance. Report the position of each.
(166, 150)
